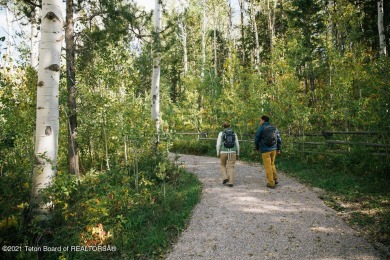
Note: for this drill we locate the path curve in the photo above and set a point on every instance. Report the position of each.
(250, 221)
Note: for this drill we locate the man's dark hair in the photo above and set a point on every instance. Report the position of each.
(226, 125)
(265, 118)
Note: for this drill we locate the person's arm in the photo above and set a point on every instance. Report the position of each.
(237, 145)
(257, 138)
(219, 140)
(278, 141)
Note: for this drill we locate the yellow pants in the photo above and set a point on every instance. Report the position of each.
(227, 166)
(269, 165)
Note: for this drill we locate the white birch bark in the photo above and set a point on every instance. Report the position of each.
(183, 30)
(204, 39)
(47, 115)
(330, 21)
(257, 50)
(106, 143)
(215, 49)
(381, 29)
(230, 26)
(156, 66)
(230, 44)
(34, 45)
(8, 62)
(273, 31)
(242, 6)
(330, 39)
(271, 27)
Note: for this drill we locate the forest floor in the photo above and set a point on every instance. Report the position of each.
(251, 221)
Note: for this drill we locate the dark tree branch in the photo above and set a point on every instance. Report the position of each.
(32, 3)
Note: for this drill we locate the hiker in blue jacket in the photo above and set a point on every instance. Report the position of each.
(268, 142)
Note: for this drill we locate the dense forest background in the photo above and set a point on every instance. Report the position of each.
(312, 66)
(315, 67)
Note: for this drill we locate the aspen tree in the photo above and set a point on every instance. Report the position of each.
(202, 72)
(73, 154)
(183, 31)
(230, 42)
(204, 28)
(242, 10)
(34, 39)
(8, 61)
(381, 29)
(215, 45)
(47, 113)
(156, 67)
(255, 30)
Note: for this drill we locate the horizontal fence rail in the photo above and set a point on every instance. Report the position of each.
(329, 141)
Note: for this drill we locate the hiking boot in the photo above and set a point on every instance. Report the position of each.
(225, 181)
(269, 186)
(230, 185)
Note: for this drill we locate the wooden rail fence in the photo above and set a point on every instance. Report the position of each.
(325, 142)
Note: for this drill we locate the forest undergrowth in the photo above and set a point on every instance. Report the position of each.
(122, 213)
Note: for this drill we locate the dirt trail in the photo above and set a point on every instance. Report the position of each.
(250, 221)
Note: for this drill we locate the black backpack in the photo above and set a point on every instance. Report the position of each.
(229, 138)
(269, 135)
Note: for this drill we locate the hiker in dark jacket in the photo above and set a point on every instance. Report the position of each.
(268, 142)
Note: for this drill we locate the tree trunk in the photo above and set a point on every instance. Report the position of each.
(47, 123)
(330, 21)
(202, 74)
(215, 51)
(271, 28)
(183, 30)
(257, 50)
(272, 20)
(8, 62)
(230, 44)
(184, 41)
(73, 153)
(156, 68)
(105, 142)
(34, 39)
(241, 4)
(204, 39)
(381, 29)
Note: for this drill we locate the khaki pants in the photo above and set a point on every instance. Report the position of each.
(227, 166)
(269, 165)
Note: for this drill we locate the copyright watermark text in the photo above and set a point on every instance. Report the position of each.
(102, 248)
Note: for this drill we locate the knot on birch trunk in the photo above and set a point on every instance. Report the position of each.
(51, 16)
(48, 130)
(54, 67)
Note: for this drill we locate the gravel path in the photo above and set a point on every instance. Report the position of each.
(250, 221)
